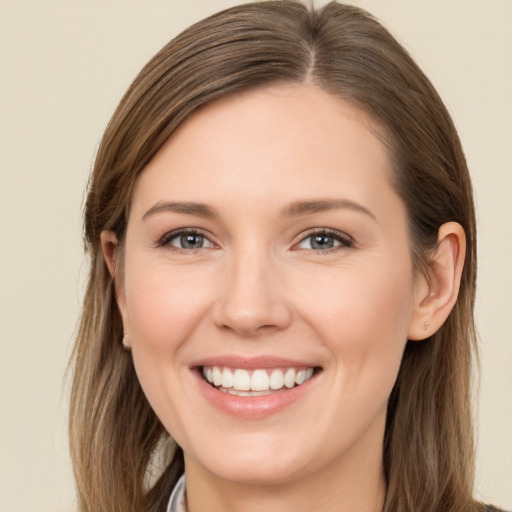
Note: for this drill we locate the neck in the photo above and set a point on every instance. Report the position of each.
(353, 482)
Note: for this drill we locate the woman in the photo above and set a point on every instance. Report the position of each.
(280, 302)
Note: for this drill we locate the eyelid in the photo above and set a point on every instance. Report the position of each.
(345, 239)
(165, 239)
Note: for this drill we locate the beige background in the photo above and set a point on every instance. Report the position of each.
(63, 67)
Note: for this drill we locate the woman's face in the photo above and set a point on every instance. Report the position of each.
(266, 246)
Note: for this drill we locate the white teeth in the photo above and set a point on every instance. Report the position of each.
(235, 392)
(300, 377)
(227, 378)
(260, 381)
(217, 376)
(241, 382)
(303, 375)
(276, 379)
(289, 378)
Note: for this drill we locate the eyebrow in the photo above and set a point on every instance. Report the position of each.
(294, 209)
(188, 208)
(298, 208)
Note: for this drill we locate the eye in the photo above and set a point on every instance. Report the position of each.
(324, 240)
(186, 240)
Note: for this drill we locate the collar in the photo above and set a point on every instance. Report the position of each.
(178, 500)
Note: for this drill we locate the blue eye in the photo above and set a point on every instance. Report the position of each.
(324, 241)
(186, 240)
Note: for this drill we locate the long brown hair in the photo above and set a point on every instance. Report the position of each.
(123, 457)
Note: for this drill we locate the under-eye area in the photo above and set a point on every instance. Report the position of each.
(257, 382)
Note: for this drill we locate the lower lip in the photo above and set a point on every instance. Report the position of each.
(253, 407)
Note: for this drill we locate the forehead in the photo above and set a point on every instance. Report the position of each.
(270, 144)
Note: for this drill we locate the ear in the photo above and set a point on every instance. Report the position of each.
(109, 245)
(436, 293)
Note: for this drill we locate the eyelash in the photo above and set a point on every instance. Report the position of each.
(165, 240)
(344, 240)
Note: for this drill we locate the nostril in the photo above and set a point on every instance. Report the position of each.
(250, 305)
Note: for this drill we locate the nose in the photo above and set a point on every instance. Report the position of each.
(252, 300)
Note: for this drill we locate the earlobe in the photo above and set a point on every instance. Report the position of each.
(437, 292)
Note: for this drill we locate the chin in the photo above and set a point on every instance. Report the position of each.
(258, 472)
(258, 460)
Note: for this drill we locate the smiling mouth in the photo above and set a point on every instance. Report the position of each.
(258, 382)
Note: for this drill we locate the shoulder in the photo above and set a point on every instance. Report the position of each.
(490, 508)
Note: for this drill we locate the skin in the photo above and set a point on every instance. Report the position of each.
(256, 287)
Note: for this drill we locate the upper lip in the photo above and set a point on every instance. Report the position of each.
(253, 363)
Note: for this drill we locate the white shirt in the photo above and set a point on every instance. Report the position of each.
(178, 500)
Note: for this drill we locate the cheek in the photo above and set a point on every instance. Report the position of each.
(360, 299)
(363, 318)
(163, 306)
